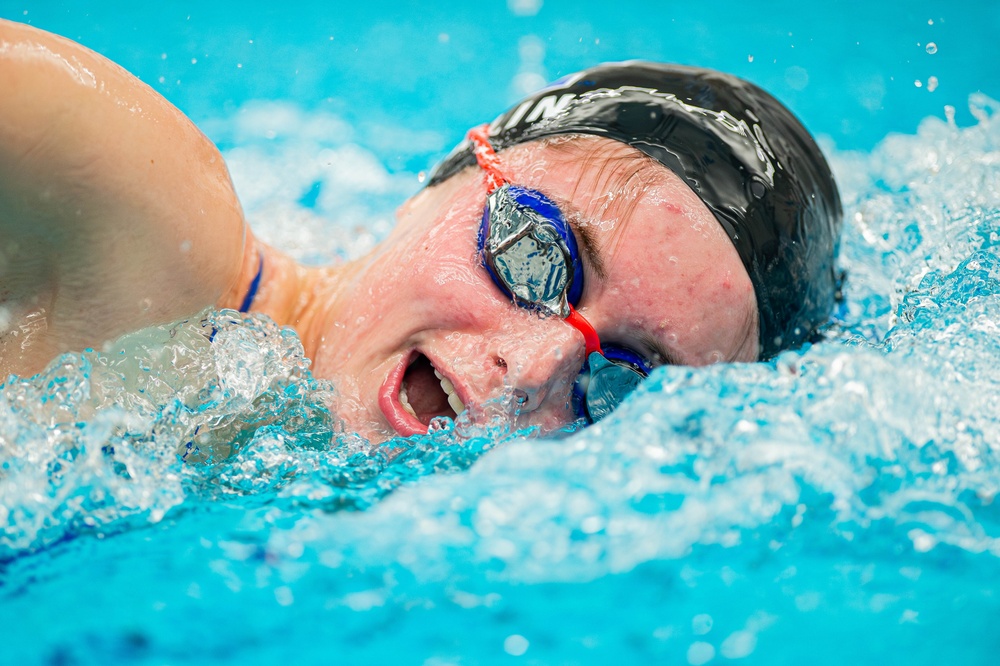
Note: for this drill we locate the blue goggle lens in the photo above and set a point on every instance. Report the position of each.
(529, 249)
(605, 381)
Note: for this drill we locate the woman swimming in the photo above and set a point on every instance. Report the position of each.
(628, 216)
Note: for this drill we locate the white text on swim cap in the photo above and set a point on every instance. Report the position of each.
(545, 107)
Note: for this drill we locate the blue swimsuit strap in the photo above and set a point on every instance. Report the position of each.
(252, 292)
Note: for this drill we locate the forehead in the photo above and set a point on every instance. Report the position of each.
(666, 270)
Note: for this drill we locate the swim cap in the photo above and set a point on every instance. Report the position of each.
(749, 159)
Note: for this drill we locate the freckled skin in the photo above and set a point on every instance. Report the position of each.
(672, 274)
(440, 300)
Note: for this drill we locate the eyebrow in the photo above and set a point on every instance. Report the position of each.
(659, 349)
(590, 248)
(596, 261)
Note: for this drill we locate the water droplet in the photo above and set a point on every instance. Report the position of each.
(283, 595)
(932, 83)
(524, 7)
(701, 624)
(531, 48)
(440, 424)
(422, 176)
(922, 541)
(931, 48)
(700, 653)
(739, 644)
(918, 83)
(515, 645)
(749, 58)
(797, 77)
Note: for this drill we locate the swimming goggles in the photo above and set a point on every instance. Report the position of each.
(531, 254)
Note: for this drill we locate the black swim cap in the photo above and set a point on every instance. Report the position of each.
(749, 159)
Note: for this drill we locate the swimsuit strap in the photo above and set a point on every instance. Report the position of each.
(252, 291)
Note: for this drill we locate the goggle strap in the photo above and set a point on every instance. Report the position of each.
(486, 157)
(577, 321)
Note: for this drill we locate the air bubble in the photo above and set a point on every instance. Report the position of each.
(931, 48)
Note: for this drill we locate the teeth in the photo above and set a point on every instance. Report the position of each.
(405, 401)
(449, 390)
(446, 386)
(456, 403)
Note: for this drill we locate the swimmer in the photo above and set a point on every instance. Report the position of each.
(628, 216)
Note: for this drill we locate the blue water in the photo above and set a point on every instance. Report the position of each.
(836, 505)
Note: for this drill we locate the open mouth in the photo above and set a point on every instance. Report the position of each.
(425, 393)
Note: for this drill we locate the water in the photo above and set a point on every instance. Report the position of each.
(836, 504)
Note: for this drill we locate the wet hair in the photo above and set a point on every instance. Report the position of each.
(751, 162)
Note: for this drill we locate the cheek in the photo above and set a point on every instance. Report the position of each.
(442, 283)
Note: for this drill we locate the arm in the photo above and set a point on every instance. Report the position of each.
(116, 212)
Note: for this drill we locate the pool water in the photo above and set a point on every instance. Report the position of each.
(835, 505)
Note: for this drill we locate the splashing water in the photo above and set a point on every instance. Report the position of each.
(835, 503)
(216, 406)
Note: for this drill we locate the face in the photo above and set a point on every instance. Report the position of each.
(418, 329)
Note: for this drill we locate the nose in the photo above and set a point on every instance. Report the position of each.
(543, 357)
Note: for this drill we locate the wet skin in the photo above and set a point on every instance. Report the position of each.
(670, 285)
(117, 213)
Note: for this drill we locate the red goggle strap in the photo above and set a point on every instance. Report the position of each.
(486, 157)
(488, 161)
(593, 343)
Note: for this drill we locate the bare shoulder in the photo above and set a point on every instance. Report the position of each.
(116, 212)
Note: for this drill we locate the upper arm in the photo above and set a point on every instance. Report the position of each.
(115, 210)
